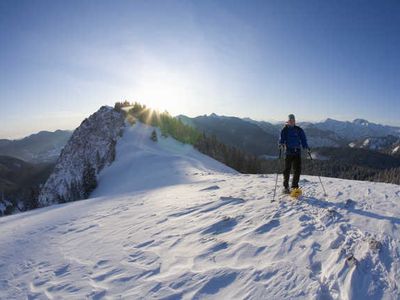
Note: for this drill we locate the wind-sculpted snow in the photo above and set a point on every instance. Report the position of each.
(188, 242)
(204, 233)
(92, 145)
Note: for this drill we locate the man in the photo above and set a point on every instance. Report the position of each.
(292, 138)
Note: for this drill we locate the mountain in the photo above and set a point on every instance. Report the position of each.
(357, 129)
(387, 144)
(237, 132)
(316, 137)
(167, 222)
(90, 148)
(273, 129)
(360, 157)
(44, 146)
(245, 133)
(334, 133)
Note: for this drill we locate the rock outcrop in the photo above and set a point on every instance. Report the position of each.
(90, 148)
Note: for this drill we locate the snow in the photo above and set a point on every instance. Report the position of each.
(396, 149)
(167, 222)
(152, 164)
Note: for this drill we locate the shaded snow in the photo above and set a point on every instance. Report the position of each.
(170, 223)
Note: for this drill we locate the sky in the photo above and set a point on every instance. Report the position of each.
(61, 60)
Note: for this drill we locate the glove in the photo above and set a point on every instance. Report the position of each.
(281, 146)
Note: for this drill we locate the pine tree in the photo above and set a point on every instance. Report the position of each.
(154, 136)
(89, 180)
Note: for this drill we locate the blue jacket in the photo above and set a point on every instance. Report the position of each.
(293, 137)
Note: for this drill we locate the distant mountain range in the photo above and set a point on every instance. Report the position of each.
(255, 137)
(358, 129)
(261, 138)
(44, 146)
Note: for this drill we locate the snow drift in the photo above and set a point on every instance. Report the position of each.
(167, 222)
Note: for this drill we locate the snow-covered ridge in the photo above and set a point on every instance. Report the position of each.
(143, 164)
(92, 144)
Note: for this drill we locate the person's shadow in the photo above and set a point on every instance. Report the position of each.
(350, 206)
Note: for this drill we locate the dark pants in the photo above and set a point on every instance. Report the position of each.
(295, 161)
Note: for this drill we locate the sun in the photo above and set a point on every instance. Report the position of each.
(163, 87)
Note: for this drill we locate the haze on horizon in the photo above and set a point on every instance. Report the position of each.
(60, 61)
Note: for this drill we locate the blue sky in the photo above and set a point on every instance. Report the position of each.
(61, 60)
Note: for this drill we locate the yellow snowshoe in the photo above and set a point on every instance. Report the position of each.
(296, 193)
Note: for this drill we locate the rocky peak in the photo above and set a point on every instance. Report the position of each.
(90, 148)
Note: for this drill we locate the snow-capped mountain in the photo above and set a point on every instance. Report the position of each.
(357, 129)
(167, 222)
(90, 148)
(330, 133)
(388, 144)
(396, 150)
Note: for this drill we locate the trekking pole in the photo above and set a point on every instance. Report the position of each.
(276, 179)
(319, 177)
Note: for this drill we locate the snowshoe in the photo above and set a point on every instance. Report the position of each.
(296, 193)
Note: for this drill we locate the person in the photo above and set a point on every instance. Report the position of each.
(292, 139)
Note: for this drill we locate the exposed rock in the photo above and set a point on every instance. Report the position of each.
(92, 145)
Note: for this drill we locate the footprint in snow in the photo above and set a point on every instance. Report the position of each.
(315, 265)
(350, 204)
(336, 243)
(329, 217)
(304, 218)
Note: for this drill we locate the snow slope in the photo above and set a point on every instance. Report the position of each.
(143, 164)
(170, 223)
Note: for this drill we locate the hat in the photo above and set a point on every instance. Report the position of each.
(291, 117)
